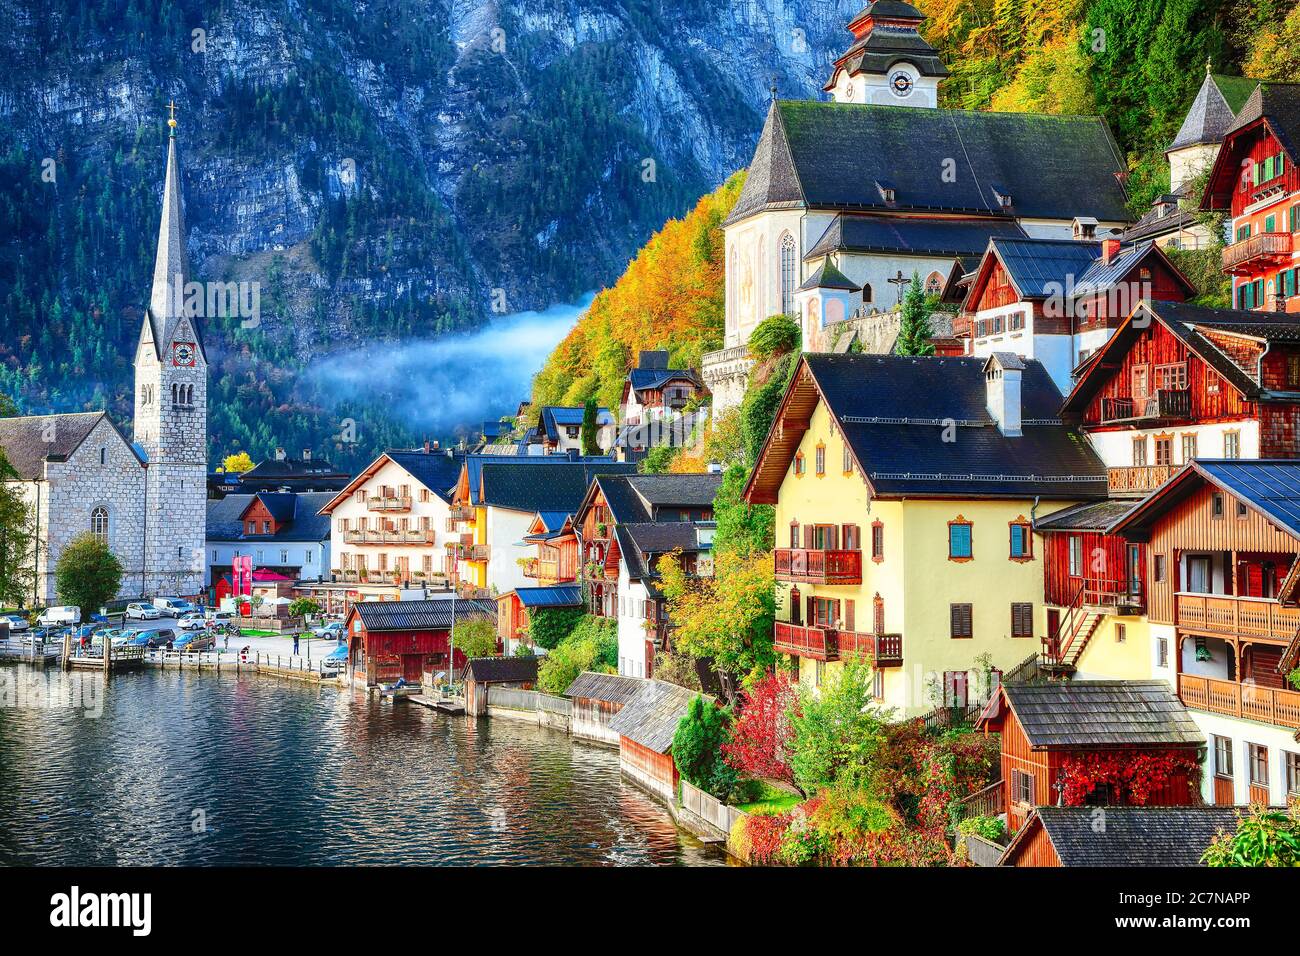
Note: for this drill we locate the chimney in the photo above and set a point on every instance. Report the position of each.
(1002, 391)
(279, 454)
(427, 446)
(1109, 250)
(306, 454)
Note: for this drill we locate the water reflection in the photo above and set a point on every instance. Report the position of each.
(198, 769)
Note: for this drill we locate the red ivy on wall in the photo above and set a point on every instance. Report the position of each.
(1134, 775)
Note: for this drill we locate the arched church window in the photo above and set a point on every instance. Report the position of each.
(789, 271)
(99, 524)
(933, 283)
(176, 398)
(866, 293)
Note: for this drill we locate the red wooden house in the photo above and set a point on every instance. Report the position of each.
(388, 640)
(1254, 178)
(556, 538)
(1098, 743)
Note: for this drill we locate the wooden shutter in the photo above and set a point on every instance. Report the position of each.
(849, 621)
(960, 615)
(1022, 620)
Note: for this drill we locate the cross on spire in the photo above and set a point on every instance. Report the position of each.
(171, 121)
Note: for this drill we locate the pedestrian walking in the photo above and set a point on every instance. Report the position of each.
(295, 644)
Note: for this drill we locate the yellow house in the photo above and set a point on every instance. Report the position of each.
(905, 492)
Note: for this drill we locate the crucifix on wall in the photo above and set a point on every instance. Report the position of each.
(901, 282)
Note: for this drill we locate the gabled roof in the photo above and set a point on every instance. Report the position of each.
(894, 412)
(640, 542)
(827, 276)
(1213, 111)
(1187, 323)
(1073, 715)
(275, 468)
(501, 670)
(827, 155)
(555, 417)
(436, 470)
(650, 718)
(471, 478)
(429, 615)
(633, 498)
(644, 379)
(860, 233)
(517, 484)
(611, 688)
(298, 515)
(1274, 107)
(1089, 516)
(1270, 487)
(25, 444)
(1132, 836)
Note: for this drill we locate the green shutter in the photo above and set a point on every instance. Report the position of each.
(1270, 224)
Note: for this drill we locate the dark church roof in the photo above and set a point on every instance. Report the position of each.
(832, 156)
(29, 441)
(916, 237)
(1213, 112)
(882, 47)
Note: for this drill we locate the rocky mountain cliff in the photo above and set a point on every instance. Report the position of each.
(386, 169)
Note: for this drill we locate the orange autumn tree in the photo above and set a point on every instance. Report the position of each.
(670, 297)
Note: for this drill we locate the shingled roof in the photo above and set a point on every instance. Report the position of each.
(428, 615)
(633, 498)
(1106, 713)
(894, 410)
(650, 718)
(516, 484)
(1132, 836)
(1089, 516)
(611, 688)
(1279, 105)
(501, 670)
(827, 155)
(1214, 110)
(476, 463)
(30, 440)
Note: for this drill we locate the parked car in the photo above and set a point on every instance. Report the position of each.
(173, 607)
(153, 637)
(334, 631)
(16, 622)
(116, 636)
(335, 661)
(221, 617)
(192, 621)
(195, 641)
(59, 614)
(142, 611)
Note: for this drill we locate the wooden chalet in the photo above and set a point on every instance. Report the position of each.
(1131, 836)
(388, 640)
(514, 608)
(1223, 545)
(645, 728)
(480, 673)
(556, 538)
(596, 699)
(1062, 739)
(653, 391)
(1254, 178)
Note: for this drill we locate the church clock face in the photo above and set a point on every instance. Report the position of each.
(183, 354)
(900, 83)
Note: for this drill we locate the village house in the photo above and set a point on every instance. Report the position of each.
(627, 523)
(1254, 179)
(1059, 300)
(1070, 743)
(1222, 541)
(885, 192)
(555, 536)
(645, 727)
(1118, 837)
(388, 640)
(516, 606)
(653, 396)
(282, 532)
(905, 492)
(494, 505)
(283, 473)
(559, 430)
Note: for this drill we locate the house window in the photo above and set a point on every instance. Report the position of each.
(99, 524)
(1022, 787)
(960, 542)
(850, 537)
(1223, 756)
(1216, 505)
(1164, 449)
(1139, 390)
(1139, 452)
(1075, 556)
(821, 460)
(877, 541)
(794, 534)
(878, 614)
(1257, 756)
(1189, 448)
(1162, 652)
(1171, 377)
(284, 556)
(1241, 510)
(959, 617)
(1232, 444)
(1158, 567)
(848, 460)
(850, 616)
(798, 463)
(1022, 620)
(819, 671)
(878, 684)
(1292, 774)
(1121, 633)
(1022, 540)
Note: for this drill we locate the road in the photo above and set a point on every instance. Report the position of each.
(278, 644)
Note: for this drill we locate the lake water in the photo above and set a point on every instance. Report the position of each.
(285, 773)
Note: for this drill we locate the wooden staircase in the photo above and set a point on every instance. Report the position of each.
(1078, 625)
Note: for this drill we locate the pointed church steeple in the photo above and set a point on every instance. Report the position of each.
(171, 270)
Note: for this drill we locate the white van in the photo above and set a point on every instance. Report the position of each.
(59, 614)
(173, 607)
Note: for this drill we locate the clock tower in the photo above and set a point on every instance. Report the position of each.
(889, 63)
(171, 407)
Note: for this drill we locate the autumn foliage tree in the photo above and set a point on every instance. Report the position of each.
(761, 738)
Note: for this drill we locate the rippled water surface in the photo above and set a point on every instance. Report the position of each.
(289, 773)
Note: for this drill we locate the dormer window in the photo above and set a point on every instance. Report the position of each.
(1002, 196)
(887, 192)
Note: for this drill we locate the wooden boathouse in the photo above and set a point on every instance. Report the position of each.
(484, 672)
(388, 640)
(645, 728)
(596, 699)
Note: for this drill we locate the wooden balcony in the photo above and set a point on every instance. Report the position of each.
(411, 537)
(825, 644)
(812, 566)
(1250, 701)
(1252, 618)
(1267, 248)
(541, 570)
(1165, 404)
(1143, 478)
(389, 503)
(461, 512)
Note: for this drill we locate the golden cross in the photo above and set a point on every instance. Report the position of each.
(172, 108)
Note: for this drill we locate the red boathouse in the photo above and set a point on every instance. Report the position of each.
(392, 639)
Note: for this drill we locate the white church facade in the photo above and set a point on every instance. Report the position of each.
(881, 184)
(145, 497)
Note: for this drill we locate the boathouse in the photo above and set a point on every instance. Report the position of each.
(645, 728)
(484, 672)
(388, 640)
(1117, 836)
(596, 699)
(1094, 743)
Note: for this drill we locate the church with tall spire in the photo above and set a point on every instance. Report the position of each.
(144, 496)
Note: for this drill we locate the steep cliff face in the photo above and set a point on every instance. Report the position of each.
(389, 169)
